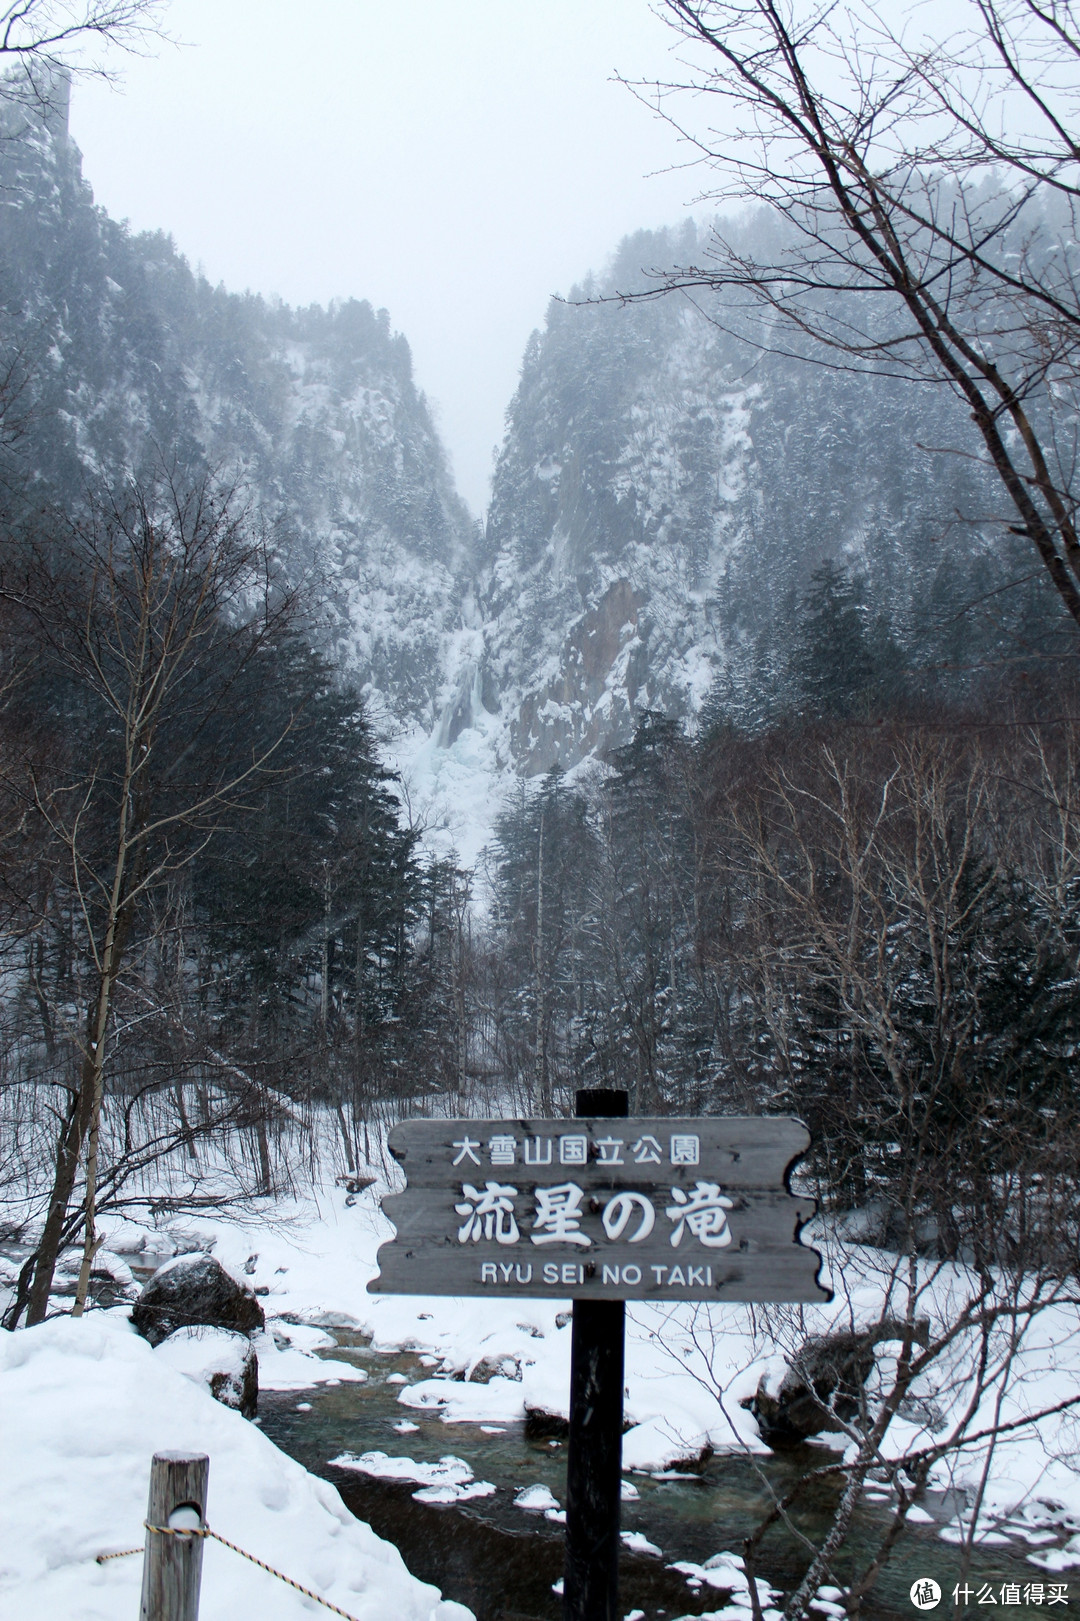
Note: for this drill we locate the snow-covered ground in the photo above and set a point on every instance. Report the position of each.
(93, 1402)
(86, 1403)
(688, 1368)
(315, 1258)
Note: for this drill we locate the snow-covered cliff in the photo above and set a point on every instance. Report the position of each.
(124, 363)
(664, 492)
(666, 487)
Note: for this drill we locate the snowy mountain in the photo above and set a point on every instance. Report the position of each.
(124, 363)
(665, 491)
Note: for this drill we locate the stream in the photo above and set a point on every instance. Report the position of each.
(501, 1560)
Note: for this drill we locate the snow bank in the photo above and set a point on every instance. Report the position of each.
(86, 1403)
(209, 1356)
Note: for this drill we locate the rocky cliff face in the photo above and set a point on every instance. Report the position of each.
(126, 364)
(666, 489)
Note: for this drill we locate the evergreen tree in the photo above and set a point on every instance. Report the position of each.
(544, 855)
(649, 918)
(843, 665)
(307, 908)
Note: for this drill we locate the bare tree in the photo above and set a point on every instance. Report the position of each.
(54, 34)
(926, 198)
(904, 936)
(151, 610)
(45, 43)
(952, 1352)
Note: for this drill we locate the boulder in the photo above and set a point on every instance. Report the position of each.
(822, 1387)
(111, 1280)
(488, 1368)
(542, 1425)
(216, 1357)
(194, 1290)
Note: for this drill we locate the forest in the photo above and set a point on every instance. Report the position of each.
(221, 927)
(731, 761)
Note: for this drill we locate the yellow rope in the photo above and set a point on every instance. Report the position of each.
(205, 1531)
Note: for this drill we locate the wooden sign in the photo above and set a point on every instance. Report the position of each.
(601, 1209)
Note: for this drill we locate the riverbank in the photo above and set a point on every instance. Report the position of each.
(86, 1403)
(485, 1365)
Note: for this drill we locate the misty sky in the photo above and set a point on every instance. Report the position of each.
(456, 162)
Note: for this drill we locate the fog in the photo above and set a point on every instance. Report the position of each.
(456, 163)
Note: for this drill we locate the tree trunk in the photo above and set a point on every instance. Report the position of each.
(265, 1175)
(542, 1089)
(324, 995)
(85, 1119)
(69, 1152)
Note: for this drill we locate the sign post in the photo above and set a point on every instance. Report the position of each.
(600, 1209)
(594, 1454)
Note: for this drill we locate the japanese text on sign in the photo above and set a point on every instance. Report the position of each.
(649, 1208)
(556, 1216)
(684, 1148)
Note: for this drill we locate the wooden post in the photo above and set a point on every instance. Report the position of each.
(593, 1465)
(172, 1565)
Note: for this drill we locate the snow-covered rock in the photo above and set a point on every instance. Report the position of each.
(224, 1361)
(449, 1480)
(536, 1498)
(195, 1290)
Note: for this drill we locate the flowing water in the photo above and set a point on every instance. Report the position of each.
(502, 1561)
